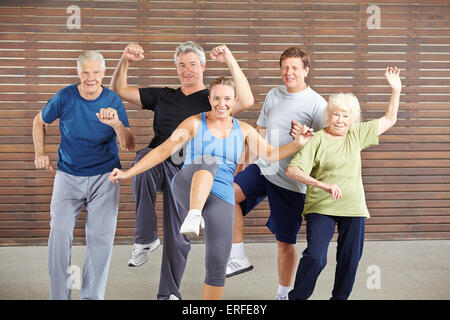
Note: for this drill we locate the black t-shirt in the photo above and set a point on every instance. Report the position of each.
(171, 107)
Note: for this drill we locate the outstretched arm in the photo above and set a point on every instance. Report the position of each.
(260, 147)
(119, 83)
(182, 134)
(386, 122)
(243, 91)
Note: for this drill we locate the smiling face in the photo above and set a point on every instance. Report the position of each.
(222, 99)
(293, 74)
(189, 69)
(340, 119)
(91, 74)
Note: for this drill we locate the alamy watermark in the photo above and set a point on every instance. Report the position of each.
(229, 150)
(374, 279)
(74, 20)
(374, 20)
(74, 279)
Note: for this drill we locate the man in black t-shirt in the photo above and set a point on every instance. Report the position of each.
(170, 107)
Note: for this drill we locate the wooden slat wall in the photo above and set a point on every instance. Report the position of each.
(407, 177)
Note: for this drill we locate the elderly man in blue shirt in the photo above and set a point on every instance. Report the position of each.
(90, 118)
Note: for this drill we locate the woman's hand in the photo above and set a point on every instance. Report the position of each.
(392, 76)
(116, 175)
(333, 189)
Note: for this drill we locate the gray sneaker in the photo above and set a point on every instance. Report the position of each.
(141, 252)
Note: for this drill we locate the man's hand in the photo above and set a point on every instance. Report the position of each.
(43, 162)
(109, 117)
(300, 133)
(133, 52)
(296, 128)
(221, 54)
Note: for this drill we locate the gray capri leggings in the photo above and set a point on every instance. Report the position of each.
(219, 220)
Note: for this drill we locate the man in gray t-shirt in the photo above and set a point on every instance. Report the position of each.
(293, 101)
(280, 107)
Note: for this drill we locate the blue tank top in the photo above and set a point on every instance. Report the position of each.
(227, 152)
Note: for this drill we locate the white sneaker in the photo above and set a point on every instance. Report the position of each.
(238, 266)
(281, 298)
(192, 223)
(173, 297)
(141, 252)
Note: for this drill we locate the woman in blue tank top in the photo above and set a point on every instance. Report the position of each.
(203, 188)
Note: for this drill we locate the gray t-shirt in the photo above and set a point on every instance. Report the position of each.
(279, 108)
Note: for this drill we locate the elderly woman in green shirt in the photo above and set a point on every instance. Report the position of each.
(330, 165)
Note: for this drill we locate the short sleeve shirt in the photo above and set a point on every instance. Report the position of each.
(337, 160)
(88, 147)
(171, 107)
(279, 108)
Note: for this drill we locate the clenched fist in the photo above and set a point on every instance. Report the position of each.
(109, 117)
(133, 52)
(116, 175)
(221, 54)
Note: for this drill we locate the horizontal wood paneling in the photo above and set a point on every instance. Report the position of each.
(406, 177)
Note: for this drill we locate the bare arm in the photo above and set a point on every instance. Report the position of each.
(261, 130)
(299, 175)
(41, 160)
(260, 147)
(182, 134)
(248, 157)
(126, 137)
(110, 117)
(390, 117)
(119, 83)
(243, 91)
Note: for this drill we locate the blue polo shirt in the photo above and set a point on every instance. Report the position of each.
(88, 147)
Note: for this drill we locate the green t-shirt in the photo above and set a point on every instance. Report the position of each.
(337, 160)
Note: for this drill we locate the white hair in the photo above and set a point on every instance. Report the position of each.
(346, 101)
(91, 55)
(190, 46)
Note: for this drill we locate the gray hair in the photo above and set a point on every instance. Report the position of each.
(346, 101)
(190, 46)
(91, 55)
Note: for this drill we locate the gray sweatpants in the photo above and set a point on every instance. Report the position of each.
(101, 199)
(219, 220)
(175, 245)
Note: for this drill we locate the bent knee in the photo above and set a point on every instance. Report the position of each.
(208, 163)
(239, 195)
